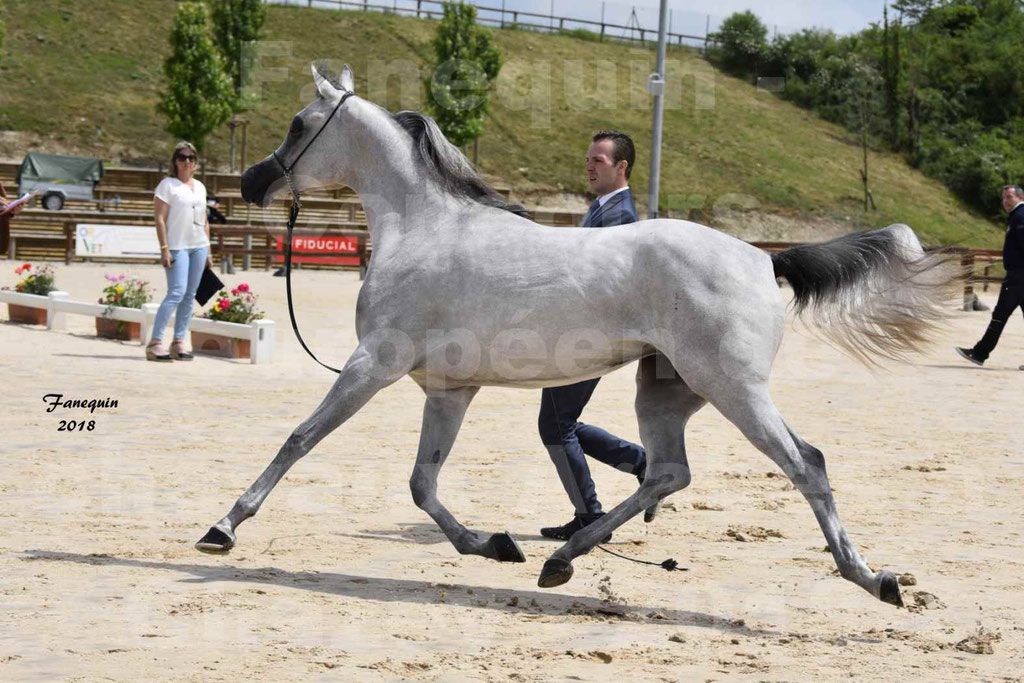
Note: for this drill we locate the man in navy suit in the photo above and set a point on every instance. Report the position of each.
(1011, 294)
(610, 161)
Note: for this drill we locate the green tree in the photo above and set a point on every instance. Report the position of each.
(741, 41)
(199, 94)
(467, 61)
(863, 109)
(236, 26)
(891, 78)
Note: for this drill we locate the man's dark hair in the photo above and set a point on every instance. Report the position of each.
(622, 147)
(1015, 188)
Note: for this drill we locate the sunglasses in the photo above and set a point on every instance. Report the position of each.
(186, 157)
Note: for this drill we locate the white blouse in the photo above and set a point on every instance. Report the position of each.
(186, 219)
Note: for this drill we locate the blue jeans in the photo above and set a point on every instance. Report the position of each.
(182, 281)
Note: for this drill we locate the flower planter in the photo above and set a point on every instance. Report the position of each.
(118, 329)
(26, 314)
(219, 345)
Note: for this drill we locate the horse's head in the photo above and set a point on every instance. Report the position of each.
(309, 150)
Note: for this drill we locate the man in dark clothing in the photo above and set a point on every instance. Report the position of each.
(609, 163)
(1011, 295)
(5, 220)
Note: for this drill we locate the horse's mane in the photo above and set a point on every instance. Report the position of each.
(447, 166)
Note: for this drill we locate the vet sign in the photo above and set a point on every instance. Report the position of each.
(116, 241)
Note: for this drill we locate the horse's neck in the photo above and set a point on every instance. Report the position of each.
(392, 213)
(395, 193)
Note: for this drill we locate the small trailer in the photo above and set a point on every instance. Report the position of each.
(58, 178)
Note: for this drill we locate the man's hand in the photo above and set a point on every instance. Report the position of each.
(15, 210)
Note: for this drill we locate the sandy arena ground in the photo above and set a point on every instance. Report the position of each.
(341, 576)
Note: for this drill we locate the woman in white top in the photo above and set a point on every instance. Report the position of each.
(179, 207)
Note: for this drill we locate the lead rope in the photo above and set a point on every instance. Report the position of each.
(293, 215)
(668, 565)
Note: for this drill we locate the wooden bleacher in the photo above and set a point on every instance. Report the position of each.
(37, 234)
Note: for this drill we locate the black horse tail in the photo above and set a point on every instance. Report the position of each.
(875, 293)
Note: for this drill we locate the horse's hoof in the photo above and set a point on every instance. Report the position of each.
(215, 542)
(554, 573)
(889, 589)
(652, 512)
(506, 549)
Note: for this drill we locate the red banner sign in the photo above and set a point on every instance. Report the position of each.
(339, 248)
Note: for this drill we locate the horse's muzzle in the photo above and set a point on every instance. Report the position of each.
(258, 178)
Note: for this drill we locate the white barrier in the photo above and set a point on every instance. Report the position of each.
(260, 333)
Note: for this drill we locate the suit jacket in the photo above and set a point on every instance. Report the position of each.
(618, 210)
(5, 225)
(1013, 247)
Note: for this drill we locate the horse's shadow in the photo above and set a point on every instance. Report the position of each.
(419, 533)
(423, 533)
(413, 591)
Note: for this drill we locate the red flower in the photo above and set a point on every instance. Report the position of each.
(26, 266)
(243, 287)
(234, 291)
(225, 304)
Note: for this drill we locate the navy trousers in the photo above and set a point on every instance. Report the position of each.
(567, 440)
(1011, 297)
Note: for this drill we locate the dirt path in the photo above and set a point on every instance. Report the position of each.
(341, 575)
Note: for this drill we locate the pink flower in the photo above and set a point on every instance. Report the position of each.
(110, 278)
(225, 304)
(18, 270)
(243, 287)
(234, 291)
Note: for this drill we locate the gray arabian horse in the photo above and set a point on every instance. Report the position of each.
(463, 292)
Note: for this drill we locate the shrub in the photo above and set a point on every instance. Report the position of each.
(741, 41)
(125, 291)
(240, 307)
(37, 281)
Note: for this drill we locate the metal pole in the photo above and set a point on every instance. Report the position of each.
(656, 85)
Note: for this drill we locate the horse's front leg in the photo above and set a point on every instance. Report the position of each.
(442, 417)
(360, 379)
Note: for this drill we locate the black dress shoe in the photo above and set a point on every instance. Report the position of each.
(968, 354)
(566, 531)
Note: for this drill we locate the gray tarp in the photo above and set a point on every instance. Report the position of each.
(60, 168)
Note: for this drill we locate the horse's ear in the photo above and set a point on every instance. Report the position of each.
(323, 86)
(347, 79)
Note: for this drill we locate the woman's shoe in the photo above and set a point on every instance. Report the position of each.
(155, 351)
(178, 351)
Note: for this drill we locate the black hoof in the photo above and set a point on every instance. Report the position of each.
(506, 549)
(651, 512)
(889, 589)
(215, 542)
(554, 573)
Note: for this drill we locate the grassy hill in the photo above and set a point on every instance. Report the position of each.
(85, 77)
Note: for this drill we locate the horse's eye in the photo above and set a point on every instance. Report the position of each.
(296, 128)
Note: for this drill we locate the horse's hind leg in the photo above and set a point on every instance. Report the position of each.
(751, 409)
(664, 403)
(360, 379)
(442, 417)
